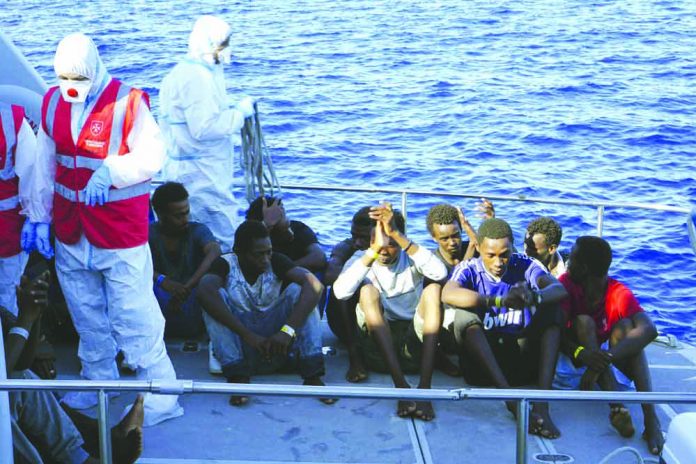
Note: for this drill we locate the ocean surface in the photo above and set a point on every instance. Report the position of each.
(571, 99)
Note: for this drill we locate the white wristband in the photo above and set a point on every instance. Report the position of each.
(21, 331)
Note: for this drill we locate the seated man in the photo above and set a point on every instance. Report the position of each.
(541, 241)
(601, 309)
(445, 224)
(508, 320)
(340, 314)
(259, 308)
(394, 311)
(182, 253)
(41, 429)
(294, 239)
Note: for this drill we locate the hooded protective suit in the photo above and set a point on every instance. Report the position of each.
(200, 128)
(108, 287)
(17, 151)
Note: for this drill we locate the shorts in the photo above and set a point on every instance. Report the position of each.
(407, 336)
(517, 355)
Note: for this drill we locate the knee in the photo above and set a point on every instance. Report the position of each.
(619, 330)
(465, 322)
(430, 299)
(583, 324)
(369, 295)
(432, 292)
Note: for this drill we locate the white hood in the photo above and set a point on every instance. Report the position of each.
(77, 54)
(207, 35)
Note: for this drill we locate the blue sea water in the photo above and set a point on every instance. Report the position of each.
(572, 99)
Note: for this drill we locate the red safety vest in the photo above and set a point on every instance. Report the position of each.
(11, 117)
(122, 222)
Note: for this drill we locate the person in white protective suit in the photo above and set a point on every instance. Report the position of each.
(97, 148)
(200, 128)
(17, 151)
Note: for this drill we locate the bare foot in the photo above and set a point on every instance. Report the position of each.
(540, 422)
(127, 450)
(424, 411)
(536, 421)
(317, 382)
(653, 435)
(620, 419)
(356, 370)
(126, 437)
(238, 400)
(133, 419)
(405, 408)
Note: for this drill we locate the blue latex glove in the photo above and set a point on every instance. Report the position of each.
(28, 237)
(43, 239)
(97, 189)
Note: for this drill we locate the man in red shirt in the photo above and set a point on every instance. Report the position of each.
(600, 309)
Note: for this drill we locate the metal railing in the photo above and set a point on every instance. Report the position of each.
(522, 397)
(178, 387)
(600, 205)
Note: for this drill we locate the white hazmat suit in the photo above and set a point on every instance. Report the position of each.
(108, 291)
(200, 128)
(12, 267)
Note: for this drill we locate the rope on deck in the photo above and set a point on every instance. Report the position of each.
(256, 163)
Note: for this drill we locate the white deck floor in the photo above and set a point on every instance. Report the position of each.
(283, 429)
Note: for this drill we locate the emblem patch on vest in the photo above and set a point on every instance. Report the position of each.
(96, 127)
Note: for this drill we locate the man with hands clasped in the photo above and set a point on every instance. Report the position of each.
(398, 319)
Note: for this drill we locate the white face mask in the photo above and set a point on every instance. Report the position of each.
(225, 55)
(74, 91)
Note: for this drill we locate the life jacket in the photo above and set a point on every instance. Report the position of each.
(11, 117)
(122, 222)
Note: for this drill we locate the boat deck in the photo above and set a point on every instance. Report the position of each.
(288, 429)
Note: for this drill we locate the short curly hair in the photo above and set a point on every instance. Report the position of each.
(442, 214)
(494, 229)
(362, 218)
(246, 233)
(255, 211)
(169, 192)
(595, 253)
(548, 227)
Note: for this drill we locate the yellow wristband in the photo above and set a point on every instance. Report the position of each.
(498, 301)
(577, 351)
(288, 330)
(375, 255)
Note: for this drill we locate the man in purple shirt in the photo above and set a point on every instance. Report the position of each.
(508, 319)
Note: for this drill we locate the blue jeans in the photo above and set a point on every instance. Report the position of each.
(241, 360)
(37, 414)
(187, 321)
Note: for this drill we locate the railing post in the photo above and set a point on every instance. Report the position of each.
(104, 435)
(6, 454)
(403, 208)
(600, 220)
(522, 425)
